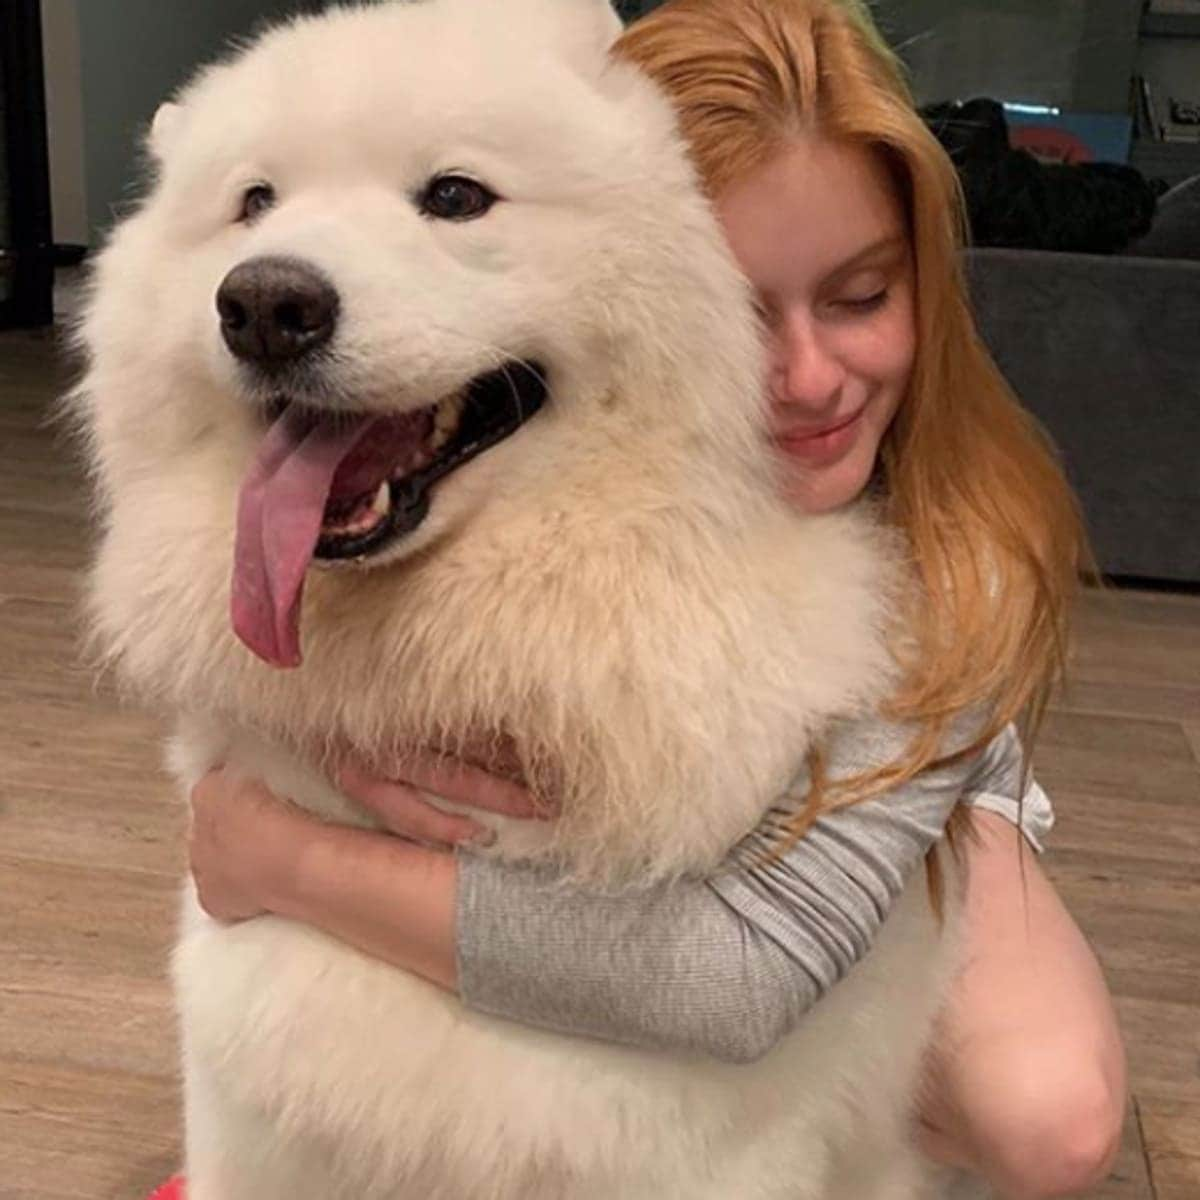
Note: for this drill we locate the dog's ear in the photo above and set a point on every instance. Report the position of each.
(594, 24)
(583, 31)
(164, 129)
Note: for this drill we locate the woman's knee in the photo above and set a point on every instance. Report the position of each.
(1051, 1133)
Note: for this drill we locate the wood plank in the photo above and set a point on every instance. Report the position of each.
(51, 742)
(1191, 730)
(74, 1134)
(1171, 1129)
(1144, 761)
(1135, 699)
(1135, 656)
(71, 924)
(1144, 930)
(1130, 1178)
(1164, 1048)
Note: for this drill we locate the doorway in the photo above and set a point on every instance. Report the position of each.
(26, 240)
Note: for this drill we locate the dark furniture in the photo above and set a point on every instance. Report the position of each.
(1105, 351)
(26, 240)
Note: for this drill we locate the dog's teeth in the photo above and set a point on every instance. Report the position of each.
(383, 500)
(446, 419)
(449, 413)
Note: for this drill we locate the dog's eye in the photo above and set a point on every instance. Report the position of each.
(256, 200)
(456, 198)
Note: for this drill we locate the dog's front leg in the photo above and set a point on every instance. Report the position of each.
(233, 1153)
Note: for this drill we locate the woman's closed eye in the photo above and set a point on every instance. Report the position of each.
(864, 304)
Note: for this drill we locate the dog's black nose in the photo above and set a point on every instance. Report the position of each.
(275, 310)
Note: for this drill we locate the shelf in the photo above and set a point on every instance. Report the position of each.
(1171, 25)
(1167, 149)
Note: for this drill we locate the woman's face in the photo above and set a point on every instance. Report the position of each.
(821, 234)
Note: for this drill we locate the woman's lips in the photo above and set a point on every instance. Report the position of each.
(823, 446)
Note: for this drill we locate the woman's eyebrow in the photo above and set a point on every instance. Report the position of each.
(883, 247)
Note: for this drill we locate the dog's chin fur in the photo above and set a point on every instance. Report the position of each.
(614, 598)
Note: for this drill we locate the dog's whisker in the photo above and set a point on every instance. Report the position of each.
(503, 362)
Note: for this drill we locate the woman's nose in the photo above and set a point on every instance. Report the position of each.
(806, 372)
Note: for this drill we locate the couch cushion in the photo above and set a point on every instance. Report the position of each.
(1176, 229)
(1104, 352)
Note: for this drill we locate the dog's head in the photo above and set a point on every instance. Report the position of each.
(386, 247)
(426, 291)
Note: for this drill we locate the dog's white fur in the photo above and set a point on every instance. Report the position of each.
(616, 590)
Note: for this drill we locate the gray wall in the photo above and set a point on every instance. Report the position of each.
(1076, 54)
(133, 54)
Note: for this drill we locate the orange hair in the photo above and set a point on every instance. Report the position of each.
(994, 532)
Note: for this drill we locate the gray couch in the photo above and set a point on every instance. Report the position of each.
(1106, 353)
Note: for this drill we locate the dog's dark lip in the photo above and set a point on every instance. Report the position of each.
(495, 406)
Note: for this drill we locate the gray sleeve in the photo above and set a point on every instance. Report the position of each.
(722, 966)
(1001, 784)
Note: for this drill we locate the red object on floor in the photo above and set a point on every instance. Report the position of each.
(173, 1189)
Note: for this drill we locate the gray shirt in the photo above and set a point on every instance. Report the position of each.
(724, 965)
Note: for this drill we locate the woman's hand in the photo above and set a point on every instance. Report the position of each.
(401, 808)
(246, 844)
(253, 853)
(243, 844)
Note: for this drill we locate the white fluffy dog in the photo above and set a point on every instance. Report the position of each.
(423, 401)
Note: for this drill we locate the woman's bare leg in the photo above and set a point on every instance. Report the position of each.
(1026, 1079)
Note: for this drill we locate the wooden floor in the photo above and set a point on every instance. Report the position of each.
(90, 853)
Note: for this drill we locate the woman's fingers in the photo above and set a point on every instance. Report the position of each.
(241, 842)
(405, 812)
(461, 783)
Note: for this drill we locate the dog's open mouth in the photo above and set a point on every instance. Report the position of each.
(344, 486)
(364, 513)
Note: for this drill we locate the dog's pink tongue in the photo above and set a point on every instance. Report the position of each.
(280, 509)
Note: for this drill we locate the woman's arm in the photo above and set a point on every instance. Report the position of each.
(729, 964)
(252, 854)
(723, 966)
(677, 967)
